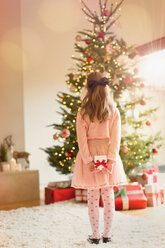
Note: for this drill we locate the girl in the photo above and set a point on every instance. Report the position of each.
(98, 129)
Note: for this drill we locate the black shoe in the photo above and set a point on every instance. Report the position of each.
(93, 241)
(106, 240)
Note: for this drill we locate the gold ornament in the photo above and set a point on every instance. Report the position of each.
(73, 88)
(55, 136)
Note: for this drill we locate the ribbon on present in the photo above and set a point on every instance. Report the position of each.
(152, 192)
(120, 192)
(81, 195)
(98, 163)
(149, 171)
(125, 199)
(124, 195)
(153, 199)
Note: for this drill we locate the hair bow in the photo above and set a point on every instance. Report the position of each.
(104, 81)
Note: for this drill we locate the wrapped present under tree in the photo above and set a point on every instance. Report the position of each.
(152, 192)
(128, 197)
(54, 195)
(81, 195)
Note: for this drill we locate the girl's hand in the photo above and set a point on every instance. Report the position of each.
(110, 165)
(109, 168)
(91, 166)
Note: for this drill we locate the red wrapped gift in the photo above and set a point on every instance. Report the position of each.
(148, 176)
(153, 199)
(162, 196)
(81, 195)
(156, 168)
(134, 199)
(55, 195)
(152, 193)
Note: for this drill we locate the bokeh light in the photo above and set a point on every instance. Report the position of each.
(11, 54)
(22, 49)
(152, 69)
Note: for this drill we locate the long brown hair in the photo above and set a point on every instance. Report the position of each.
(97, 103)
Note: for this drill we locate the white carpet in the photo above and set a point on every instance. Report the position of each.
(66, 225)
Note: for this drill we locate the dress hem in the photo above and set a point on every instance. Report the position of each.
(97, 187)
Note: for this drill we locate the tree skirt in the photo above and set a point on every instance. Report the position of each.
(66, 225)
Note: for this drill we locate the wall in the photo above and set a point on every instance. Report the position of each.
(11, 82)
(141, 21)
(48, 32)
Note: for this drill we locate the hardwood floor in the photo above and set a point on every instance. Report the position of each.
(25, 203)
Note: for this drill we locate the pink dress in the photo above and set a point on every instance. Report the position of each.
(95, 138)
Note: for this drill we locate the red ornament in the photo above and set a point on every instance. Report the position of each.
(69, 154)
(142, 85)
(124, 149)
(88, 41)
(136, 70)
(65, 133)
(144, 177)
(78, 37)
(127, 80)
(106, 12)
(62, 97)
(142, 102)
(148, 123)
(71, 75)
(101, 35)
(154, 150)
(89, 59)
(116, 189)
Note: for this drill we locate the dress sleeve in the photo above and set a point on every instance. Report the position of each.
(115, 137)
(81, 129)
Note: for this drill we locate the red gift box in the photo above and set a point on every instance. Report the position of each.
(147, 177)
(55, 195)
(152, 193)
(134, 199)
(162, 196)
(81, 195)
(153, 199)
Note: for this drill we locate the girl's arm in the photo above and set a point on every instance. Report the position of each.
(81, 129)
(115, 137)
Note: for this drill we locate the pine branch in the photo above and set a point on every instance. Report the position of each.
(79, 48)
(88, 30)
(101, 8)
(146, 113)
(97, 18)
(87, 14)
(112, 23)
(116, 8)
(105, 4)
(87, 8)
(75, 58)
(89, 35)
(78, 65)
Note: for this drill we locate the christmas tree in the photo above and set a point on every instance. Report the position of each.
(99, 49)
